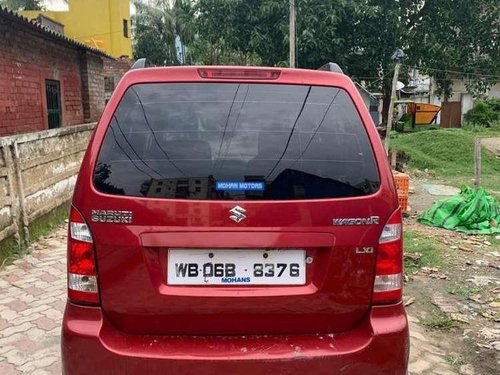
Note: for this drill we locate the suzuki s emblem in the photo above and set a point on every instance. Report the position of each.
(237, 214)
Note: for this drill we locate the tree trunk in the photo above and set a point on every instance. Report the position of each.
(387, 88)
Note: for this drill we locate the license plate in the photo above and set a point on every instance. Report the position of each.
(236, 267)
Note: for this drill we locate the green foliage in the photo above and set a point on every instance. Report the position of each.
(243, 32)
(495, 105)
(22, 4)
(360, 36)
(157, 24)
(202, 52)
(450, 35)
(442, 37)
(153, 38)
(484, 113)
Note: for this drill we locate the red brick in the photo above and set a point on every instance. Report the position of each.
(47, 277)
(34, 291)
(7, 369)
(17, 306)
(3, 324)
(11, 278)
(26, 61)
(45, 323)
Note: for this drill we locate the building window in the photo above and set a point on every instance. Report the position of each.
(53, 95)
(109, 84)
(125, 28)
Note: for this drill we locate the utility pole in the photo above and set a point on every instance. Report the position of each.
(292, 34)
(397, 57)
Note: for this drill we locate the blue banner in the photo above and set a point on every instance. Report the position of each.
(239, 186)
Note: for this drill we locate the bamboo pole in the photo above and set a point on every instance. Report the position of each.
(394, 158)
(391, 106)
(477, 163)
(291, 37)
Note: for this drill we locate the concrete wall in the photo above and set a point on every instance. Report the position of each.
(37, 174)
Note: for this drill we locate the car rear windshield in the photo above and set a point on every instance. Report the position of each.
(225, 141)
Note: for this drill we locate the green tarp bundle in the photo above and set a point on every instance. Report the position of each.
(472, 211)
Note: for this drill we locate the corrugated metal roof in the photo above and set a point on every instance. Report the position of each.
(43, 31)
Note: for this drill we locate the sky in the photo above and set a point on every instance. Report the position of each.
(55, 4)
(61, 5)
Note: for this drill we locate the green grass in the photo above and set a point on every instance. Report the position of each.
(455, 360)
(10, 250)
(419, 128)
(449, 153)
(464, 291)
(49, 222)
(427, 247)
(494, 242)
(439, 321)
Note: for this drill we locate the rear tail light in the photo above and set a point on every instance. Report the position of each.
(388, 286)
(82, 272)
(228, 73)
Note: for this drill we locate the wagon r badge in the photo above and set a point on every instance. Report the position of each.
(356, 220)
(237, 214)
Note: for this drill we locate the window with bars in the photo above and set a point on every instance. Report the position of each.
(53, 95)
(109, 84)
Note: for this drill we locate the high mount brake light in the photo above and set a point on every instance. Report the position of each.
(388, 286)
(250, 74)
(82, 273)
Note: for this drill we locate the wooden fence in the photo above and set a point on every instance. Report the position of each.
(37, 174)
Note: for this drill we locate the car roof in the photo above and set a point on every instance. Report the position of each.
(192, 74)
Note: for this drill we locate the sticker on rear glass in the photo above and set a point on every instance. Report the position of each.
(239, 186)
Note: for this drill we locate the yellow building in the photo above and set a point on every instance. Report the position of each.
(104, 24)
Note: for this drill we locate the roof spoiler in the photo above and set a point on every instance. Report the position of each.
(139, 64)
(331, 67)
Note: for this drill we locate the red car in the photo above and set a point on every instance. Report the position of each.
(235, 220)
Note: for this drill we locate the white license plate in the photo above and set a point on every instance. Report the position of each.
(236, 267)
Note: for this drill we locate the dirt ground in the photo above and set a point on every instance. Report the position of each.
(457, 301)
(492, 144)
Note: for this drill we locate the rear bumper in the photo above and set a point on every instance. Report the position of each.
(91, 345)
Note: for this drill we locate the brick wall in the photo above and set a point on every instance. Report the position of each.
(114, 71)
(27, 60)
(92, 86)
(117, 68)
